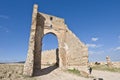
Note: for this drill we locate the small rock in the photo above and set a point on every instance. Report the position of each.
(9, 74)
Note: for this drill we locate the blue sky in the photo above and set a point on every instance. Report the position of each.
(95, 22)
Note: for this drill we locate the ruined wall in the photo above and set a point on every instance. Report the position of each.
(72, 52)
(28, 67)
(77, 52)
(48, 57)
(56, 26)
(33, 60)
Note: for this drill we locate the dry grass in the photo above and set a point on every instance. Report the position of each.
(12, 72)
(74, 71)
(106, 68)
(79, 73)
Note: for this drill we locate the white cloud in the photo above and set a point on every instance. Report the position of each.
(96, 52)
(117, 48)
(94, 39)
(93, 45)
(4, 16)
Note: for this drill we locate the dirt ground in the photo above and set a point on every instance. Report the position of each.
(14, 72)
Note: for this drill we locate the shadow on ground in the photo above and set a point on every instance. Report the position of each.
(98, 79)
(45, 70)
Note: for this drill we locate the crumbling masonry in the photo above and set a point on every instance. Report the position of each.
(72, 52)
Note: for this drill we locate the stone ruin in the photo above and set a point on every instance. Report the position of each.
(71, 51)
(109, 63)
(49, 57)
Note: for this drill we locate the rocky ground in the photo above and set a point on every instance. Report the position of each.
(14, 72)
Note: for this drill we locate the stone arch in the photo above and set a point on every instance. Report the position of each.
(60, 38)
(51, 34)
(72, 52)
(55, 33)
(52, 55)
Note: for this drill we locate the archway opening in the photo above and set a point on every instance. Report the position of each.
(50, 52)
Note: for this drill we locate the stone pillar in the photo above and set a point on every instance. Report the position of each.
(62, 56)
(29, 64)
(108, 59)
(109, 64)
(38, 41)
(62, 51)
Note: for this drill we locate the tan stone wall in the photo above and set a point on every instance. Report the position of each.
(28, 67)
(77, 52)
(72, 52)
(57, 27)
(48, 57)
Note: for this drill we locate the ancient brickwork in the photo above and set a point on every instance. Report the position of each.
(71, 51)
(49, 57)
(28, 67)
(76, 51)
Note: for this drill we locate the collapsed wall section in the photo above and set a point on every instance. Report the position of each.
(76, 51)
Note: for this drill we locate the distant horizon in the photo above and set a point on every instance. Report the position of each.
(24, 62)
